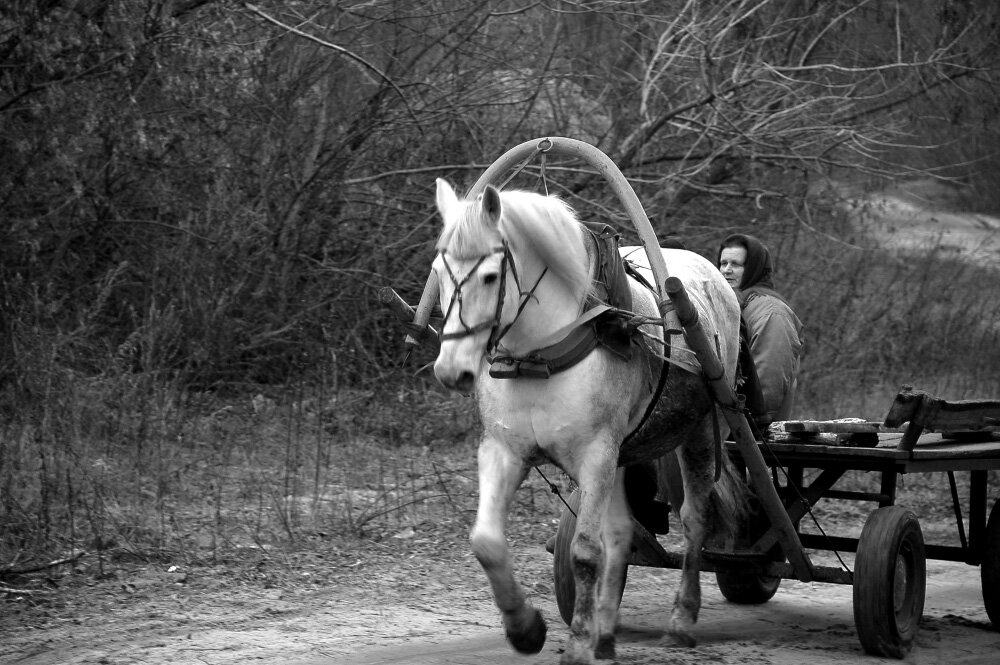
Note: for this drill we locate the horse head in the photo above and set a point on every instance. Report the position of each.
(472, 267)
(511, 267)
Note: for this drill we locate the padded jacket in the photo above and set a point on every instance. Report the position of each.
(776, 346)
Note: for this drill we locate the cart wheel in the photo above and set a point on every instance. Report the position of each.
(749, 588)
(562, 562)
(990, 570)
(890, 578)
(746, 588)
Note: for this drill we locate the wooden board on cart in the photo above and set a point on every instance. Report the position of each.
(958, 426)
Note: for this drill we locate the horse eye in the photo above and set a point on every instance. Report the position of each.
(489, 278)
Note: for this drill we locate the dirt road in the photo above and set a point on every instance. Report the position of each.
(427, 602)
(804, 623)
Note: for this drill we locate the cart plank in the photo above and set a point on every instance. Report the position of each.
(835, 427)
(936, 414)
(933, 452)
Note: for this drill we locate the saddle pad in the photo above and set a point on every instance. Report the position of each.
(681, 354)
(611, 282)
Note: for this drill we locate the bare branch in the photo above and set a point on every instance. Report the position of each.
(365, 65)
(13, 570)
(20, 592)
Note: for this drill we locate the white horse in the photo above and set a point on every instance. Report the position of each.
(515, 271)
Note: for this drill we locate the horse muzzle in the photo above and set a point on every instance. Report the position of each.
(459, 380)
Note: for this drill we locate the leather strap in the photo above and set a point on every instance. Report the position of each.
(572, 347)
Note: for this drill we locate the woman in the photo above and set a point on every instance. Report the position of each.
(773, 330)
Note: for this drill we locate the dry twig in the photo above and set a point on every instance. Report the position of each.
(12, 570)
(7, 589)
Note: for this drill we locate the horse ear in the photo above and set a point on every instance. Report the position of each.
(446, 198)
(491, 204)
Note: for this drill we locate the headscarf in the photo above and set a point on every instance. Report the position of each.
(758, 268)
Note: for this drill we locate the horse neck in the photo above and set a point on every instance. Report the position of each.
(553, 304)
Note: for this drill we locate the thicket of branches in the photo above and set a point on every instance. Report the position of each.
(211, 192)
(200, 199)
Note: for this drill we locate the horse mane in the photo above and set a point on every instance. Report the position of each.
(531, 223)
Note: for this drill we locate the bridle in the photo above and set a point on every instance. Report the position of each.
(497, 330)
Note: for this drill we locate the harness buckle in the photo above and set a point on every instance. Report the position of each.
(512, 368)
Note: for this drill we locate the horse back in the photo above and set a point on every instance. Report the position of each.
(718, 308)
(683, 401)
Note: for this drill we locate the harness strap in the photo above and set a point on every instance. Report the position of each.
(545, 362)
(525, 297)
(558, 351)
(456, 297)
(582, 320)
(718, 443)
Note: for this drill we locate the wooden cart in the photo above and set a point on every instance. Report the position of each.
(889, 575)
(920, 434)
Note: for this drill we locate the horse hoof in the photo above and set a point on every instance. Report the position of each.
(605, 649)
(680, 638)
(576, 655)
(528, 637)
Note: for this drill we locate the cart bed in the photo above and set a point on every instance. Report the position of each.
(931, 452)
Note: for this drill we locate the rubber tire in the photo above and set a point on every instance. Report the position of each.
(749, 588)
(562, 561)
(990, 569)
(890, 581)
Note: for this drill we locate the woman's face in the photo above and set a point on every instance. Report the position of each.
(732, 262)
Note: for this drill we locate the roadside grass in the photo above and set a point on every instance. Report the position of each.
(167, 476)
(125, 466)
(206, 479)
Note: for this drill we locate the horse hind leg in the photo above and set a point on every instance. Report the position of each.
(500, 474)
(698, 467)
(616, 534)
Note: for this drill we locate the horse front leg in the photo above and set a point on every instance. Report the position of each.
(500, 474)
(587, 552)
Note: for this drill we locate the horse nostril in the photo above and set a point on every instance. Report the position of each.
(466, 382)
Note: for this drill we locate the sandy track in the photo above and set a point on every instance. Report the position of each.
(433, 606)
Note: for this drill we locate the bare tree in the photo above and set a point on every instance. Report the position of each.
(237, 178)
(729, 97)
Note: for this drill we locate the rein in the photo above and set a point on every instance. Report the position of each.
(496, 330)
